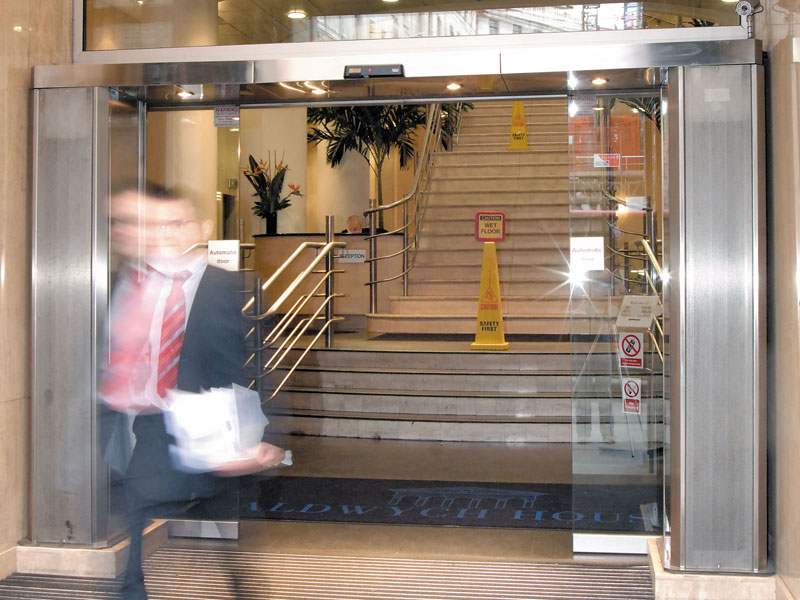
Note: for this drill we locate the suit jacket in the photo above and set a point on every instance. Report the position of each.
(212, 355)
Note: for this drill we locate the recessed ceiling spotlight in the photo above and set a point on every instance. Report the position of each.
(453, 86)
(599, 81)
(390, 1)
(296, 14)
(139, 2)
(18, 28)
(234, 129)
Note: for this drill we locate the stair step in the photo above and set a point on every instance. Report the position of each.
(466, 324)
(473, 170)
(466, 241)
(603, 358)
(496, 197)
(473, 272)
(505, 256)
(502, 157)
(421, 305)
(476, 431)
(488, 184)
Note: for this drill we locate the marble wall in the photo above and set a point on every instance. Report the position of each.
(776, 26)
(32, 32)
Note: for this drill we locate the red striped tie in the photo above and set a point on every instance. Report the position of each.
(173, 326)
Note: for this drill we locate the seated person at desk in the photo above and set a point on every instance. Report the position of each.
(354, 226)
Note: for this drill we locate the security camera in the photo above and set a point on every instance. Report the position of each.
(745, 9)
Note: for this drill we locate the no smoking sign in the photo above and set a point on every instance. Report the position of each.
(630, 350)
(631, 395)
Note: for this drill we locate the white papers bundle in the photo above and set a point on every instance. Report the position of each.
(213, 427)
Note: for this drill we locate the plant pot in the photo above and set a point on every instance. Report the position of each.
(271, 223)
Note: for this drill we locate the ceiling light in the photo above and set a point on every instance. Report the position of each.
(139, 2)
(234, 129)
(572, 81)
(599, 81)
(296, 14)
(18, 28)
(390, 1)
(452, 86)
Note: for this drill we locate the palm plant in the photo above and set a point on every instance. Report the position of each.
(373, 132)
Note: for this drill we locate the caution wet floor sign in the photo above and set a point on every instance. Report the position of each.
(489, 330)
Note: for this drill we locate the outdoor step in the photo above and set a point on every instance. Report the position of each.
(473, 169)
(505, 256)
(461, 305)
(487, 184)
(466, 324)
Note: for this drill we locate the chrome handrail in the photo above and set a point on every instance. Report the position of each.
(253, 312)
(430, 145)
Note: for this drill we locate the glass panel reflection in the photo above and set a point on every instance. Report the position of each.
(128, 24)
(616, 308)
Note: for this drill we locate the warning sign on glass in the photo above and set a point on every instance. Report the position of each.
(490, 226)
(630, 350)
(632, 395)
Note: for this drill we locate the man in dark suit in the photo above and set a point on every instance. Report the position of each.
(176, 324)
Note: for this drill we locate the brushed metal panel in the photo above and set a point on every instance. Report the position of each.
(62, 318)
(718, 331)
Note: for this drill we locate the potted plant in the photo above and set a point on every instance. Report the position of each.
(374, 131)
(267, 179)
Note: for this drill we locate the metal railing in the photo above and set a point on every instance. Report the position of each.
(272, 345)
(414, 207)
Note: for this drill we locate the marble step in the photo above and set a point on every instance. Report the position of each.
(487, 199)
(534, 156)
(508, 171)
(466, 241)
(472, 272)
(530, 184)
(465, 305)
(543, 324)
(547, 255)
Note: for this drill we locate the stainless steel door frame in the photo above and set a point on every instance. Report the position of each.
(78, 156)
(716, 482)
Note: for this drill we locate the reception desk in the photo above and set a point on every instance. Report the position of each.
(272, 251)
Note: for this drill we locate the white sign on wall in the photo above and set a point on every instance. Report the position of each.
(226, 116)
(638, 311)
(224, 254)
(587, 254)
(351, 256)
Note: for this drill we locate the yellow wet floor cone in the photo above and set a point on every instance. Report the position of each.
(489, 332)
(519, 135)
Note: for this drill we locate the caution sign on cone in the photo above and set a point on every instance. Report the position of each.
(489, 333)
(519, 135)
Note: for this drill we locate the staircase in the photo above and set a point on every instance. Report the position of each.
(532, 189)
(456, 396)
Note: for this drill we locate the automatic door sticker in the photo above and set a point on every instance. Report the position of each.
(632, 395)
(630, 350)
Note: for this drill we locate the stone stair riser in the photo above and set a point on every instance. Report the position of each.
(502, 157)
(493, 198)
(423, 405)
(473, 272)
(509, 288)
(464, 241)
(530, 184)
(474, 256)
(423, 430)
(431, 325)
(509, 171)
(419, 306)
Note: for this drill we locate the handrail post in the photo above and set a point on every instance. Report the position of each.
(329, 287)
(373, 264)
(651, 237)
(259, 338)
(405, 248)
